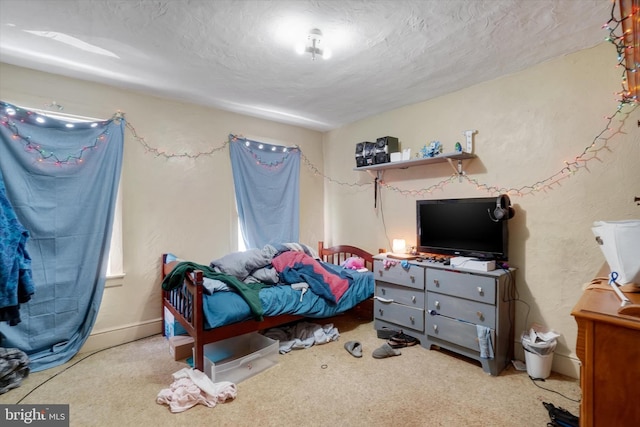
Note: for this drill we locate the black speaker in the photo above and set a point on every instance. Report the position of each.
(384, 147)
(369, 153)
(503, 210)
(360, 154)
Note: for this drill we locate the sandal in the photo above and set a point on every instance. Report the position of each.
(401, 339)
(396, 344)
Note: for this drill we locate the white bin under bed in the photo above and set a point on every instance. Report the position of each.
(238, 358)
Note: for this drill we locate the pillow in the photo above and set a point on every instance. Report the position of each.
(241, 264)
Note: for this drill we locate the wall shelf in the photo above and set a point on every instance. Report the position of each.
(404, 164)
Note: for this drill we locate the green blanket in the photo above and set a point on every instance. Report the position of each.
(250, 292)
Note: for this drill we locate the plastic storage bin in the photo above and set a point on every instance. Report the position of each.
(238, 358)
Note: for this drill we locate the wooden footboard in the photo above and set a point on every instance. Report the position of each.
(185, 303)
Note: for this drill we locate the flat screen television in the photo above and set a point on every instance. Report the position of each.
(462, 227)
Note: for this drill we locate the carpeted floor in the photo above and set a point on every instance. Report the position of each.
(320, 386)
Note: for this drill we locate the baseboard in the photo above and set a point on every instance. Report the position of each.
(106, 338)
(566, 365)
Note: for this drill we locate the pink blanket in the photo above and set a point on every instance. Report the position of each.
(299, 266)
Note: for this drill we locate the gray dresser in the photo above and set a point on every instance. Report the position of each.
(453, 309)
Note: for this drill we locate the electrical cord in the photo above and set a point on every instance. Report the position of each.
(512, 295)
(74, 364)
(552, 391)
(384, 225)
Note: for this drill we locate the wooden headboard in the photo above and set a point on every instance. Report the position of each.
(338, 254)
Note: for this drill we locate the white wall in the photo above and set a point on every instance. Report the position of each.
(180, 205)
(528, 124)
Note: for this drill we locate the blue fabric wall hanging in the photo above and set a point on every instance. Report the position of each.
(62, 182)
(267, 186)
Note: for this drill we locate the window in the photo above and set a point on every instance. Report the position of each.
(241, 246)
(115, 267)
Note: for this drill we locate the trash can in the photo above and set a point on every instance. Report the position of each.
(538, 357)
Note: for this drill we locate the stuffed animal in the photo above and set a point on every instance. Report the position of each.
(353, 263)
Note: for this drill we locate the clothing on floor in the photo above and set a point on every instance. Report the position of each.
(192, 387)
(14, 367)
(302, 335)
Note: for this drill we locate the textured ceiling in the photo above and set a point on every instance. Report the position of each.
(239, 55)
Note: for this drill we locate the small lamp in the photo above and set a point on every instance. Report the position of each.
(399, 246)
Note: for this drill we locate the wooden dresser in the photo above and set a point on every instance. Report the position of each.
(608, 346)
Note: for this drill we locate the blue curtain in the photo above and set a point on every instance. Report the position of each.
(267, 186)
(62, 181)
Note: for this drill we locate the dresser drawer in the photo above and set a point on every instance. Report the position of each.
(412, 277)
(463, 285)
(402, 315)
(463, 309)
(401, 294)
(454, 331)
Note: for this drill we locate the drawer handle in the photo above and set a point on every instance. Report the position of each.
(387, 300)
(435, 328)
(380, 273)
(381, 311)
(412, 319)
(436, 282)
(413, 279)
(437, 304)
(480, 291)
(413, 298)
(480, 315)
(383, 291)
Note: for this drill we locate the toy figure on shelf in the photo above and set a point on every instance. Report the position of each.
(435, 148)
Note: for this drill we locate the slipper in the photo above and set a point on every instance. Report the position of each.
(385, 351)
(354, 347)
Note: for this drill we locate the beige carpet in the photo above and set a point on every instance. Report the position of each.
(320, 386)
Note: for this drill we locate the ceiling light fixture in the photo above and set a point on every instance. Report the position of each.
(313, 46)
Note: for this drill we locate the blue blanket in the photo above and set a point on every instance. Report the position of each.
(16, 284)
(223, 308)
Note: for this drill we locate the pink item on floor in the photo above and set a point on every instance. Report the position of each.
(182, 395)
(192, 387)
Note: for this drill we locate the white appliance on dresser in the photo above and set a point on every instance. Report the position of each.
(451, 308)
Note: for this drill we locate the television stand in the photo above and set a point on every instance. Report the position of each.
(447, 307)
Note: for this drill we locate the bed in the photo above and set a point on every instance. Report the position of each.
(209, 315)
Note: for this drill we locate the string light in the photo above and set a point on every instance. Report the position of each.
(569, 169)
(11, 116)
(590, 152)
(161, 153)
(619, 42)
(314, 170)
(255, 148)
